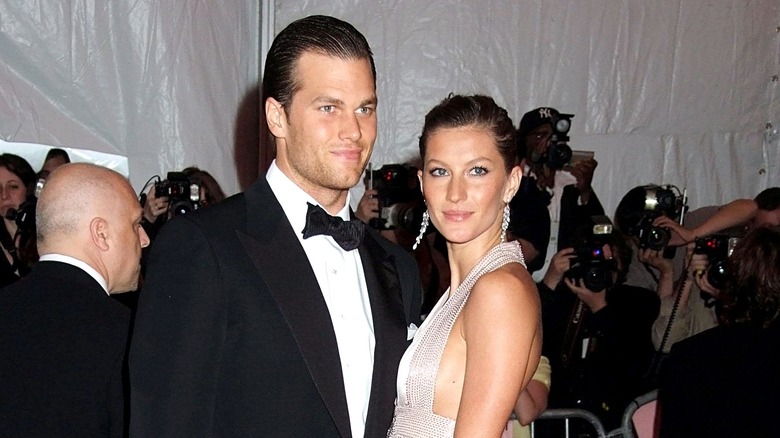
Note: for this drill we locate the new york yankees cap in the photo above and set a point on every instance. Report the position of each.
(535, 118)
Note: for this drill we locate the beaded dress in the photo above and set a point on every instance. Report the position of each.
(414, 416)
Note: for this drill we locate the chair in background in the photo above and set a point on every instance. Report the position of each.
(639, 418)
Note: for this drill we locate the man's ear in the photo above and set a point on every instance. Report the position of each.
(513, 185)
(98, 232)
(275, 117)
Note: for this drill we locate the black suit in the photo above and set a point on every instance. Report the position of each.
(62, 352)
(722, 382)
(233, 337)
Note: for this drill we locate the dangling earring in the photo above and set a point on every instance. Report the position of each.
(423, 227)
(505, 223)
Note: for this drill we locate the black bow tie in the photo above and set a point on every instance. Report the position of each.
(348, 234)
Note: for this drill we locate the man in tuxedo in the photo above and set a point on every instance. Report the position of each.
(63, 339)
(251, 322)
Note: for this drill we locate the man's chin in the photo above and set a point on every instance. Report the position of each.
(124, 290)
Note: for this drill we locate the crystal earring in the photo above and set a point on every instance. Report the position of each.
(504, 223)
(423, 227)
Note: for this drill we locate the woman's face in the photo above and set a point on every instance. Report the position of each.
(12, 191)
(465, 184)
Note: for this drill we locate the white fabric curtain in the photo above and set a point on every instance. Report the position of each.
(670, 91)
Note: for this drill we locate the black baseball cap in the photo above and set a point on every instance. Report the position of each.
(535, 118)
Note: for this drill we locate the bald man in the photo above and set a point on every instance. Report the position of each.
(63, 339)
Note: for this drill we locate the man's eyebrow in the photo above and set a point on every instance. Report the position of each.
(329, 100)
(369, 101)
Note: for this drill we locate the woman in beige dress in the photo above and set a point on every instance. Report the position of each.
(480, 345)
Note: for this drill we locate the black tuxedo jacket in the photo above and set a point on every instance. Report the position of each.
(722, 382)
(62, 351)
(233, 338)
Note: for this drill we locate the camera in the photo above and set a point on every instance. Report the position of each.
(717, 248)
(589, 262)
(658, 201)
(559, 153)
(182, 193)
(24, 216)
(399, 196)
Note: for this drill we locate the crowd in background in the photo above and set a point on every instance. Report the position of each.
(652, 296)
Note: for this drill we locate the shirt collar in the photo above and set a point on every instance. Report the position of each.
(79, 264)
(293, 199)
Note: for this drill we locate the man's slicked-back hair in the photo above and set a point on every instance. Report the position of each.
(479, 111)
(318, 34)
(769, 199)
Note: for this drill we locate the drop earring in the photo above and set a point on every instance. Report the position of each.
(423, 227)
(505, 222)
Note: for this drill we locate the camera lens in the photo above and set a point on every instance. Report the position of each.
(717, 274)
(657, 238)
(596, 279)
(181, 207)
(558, 155)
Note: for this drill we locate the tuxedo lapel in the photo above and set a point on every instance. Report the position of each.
(384, 291)
(274, 249)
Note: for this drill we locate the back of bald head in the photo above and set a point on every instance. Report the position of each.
(73, 195)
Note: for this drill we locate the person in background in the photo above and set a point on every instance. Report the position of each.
(564, 189)
(55, 158)
(17, 235)
(723, 382)
(532, 401)
(686, 306)
(596, 332)
(64, 340)
(479, 346)
(157, 209)
(272, 313)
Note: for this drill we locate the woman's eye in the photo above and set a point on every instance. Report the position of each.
(438, 172)
(479, 171)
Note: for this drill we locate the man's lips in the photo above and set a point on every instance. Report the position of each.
(348, 154)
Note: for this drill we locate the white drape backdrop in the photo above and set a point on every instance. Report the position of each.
(669, 91)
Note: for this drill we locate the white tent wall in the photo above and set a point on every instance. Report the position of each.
(668, 91)
(159, 82)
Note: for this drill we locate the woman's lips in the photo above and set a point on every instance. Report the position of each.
(457, 215)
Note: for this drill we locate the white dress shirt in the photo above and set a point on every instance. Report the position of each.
(79, 264)
(343, 284)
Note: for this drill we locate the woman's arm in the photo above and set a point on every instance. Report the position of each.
(501, 327)
(533, 399)
(729, 215)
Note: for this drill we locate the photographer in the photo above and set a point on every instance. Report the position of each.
(724, 382)
(55, 158)
(158, 208)
(392, 203)
(596, 328)
(17, 235)
(554, 182)
(180, 193)
(687, 296)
